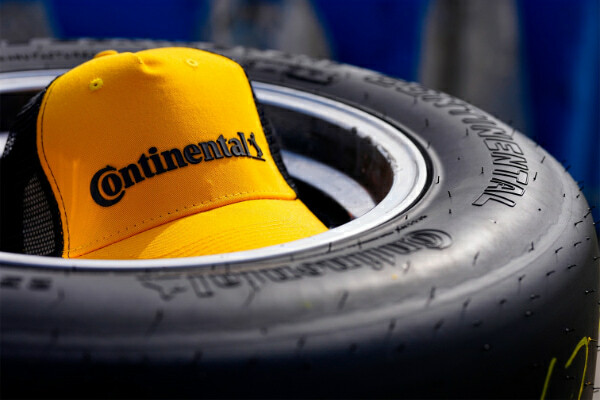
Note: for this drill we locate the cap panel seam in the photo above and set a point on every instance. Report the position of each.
(265, 196)
(62, 202)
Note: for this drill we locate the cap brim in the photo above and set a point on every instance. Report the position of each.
(235, 227)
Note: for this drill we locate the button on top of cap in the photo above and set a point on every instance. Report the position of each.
(106, 53)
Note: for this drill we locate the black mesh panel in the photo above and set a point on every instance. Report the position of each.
(29, 215)
(38, 229)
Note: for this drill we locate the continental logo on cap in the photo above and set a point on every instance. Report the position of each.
(108, 184)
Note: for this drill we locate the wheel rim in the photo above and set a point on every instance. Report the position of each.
(406, 162)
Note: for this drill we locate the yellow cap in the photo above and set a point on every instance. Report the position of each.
(162, 153)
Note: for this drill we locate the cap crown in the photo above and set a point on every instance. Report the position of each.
(132, 141)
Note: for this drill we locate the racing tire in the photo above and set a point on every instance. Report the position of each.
(486, 285)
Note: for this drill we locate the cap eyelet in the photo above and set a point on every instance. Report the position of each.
(192, 63)
(96, 84)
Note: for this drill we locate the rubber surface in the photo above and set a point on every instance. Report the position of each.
(487, 287)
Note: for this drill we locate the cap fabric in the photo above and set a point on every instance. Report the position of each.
(162, 153)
